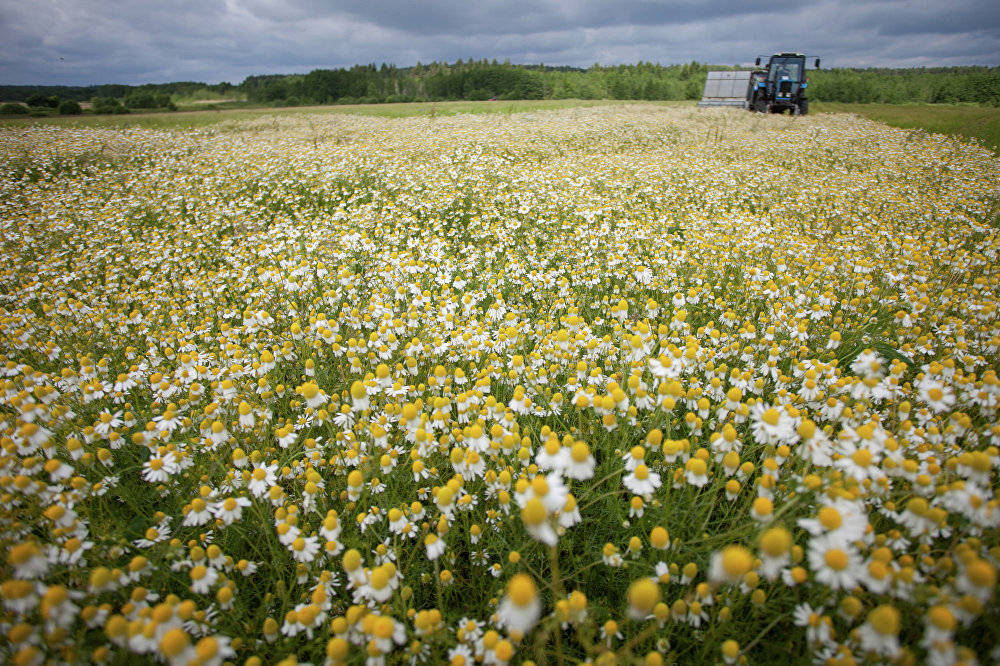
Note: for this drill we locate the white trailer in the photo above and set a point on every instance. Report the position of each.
(726, 89)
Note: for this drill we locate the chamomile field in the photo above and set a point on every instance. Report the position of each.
(609, 385)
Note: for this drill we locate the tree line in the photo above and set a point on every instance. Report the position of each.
(42, 103)
(483, 80)
(478, 80)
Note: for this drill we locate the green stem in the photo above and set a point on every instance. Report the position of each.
(748, 646)
(611, 493)
(557, 593)
(437, 584)
(635, 640)
(554, 565)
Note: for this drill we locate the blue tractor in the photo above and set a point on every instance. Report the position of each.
(781, 86)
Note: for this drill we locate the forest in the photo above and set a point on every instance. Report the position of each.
(484, 80)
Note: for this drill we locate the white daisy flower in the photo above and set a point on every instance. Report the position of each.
(230, 509)
(202, 578)
(304, 549)
(834, 563)
(434, 545)
(880, 632)
(262, 477)
(841, 519)
(935, 395)
(160, 467)
(520, 607)
(642, 481)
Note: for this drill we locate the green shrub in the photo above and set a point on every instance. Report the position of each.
(140, 100)
(70, 108)
(43, 101)
(104, 104)
(13, 109)
(479, 95)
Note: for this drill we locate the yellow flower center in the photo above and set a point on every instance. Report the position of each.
(534, 512)
(770, 417)
(643, 595)
(540, 486)
(982, 574)
(763, 506)
(830, 518)
(380, 578)
(697, 467)
(836, 559)
(384, 627)
(776, 541)
(885, 620)
(174, 642)
(736, 561)
(942, 618)
(521, 589)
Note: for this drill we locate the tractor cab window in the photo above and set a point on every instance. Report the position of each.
(784, 67)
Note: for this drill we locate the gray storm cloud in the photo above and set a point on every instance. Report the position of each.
(92, 41)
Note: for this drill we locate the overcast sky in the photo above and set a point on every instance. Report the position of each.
(81, 42)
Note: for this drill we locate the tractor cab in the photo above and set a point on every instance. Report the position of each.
(786, 68)
(785, 77)
(780, 86)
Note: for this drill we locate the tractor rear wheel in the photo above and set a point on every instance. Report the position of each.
(803, 107)
(760, 106)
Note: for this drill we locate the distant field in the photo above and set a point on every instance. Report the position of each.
(971, 122)
(202, 117)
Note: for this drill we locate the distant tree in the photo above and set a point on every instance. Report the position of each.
(116, 90)
(693, 89)
(163, 101)
(275, 89)
(70, 108)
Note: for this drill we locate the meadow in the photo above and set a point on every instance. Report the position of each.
(620, 384)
